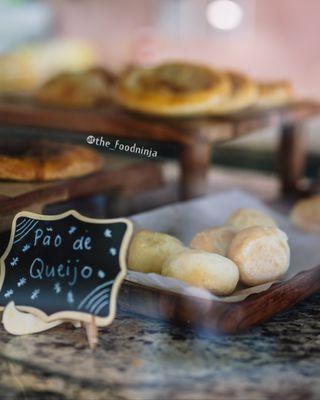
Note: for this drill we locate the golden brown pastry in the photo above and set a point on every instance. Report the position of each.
(272, 94)
(78, 89)
(46, 161)
(261, 253)
(205, 270)
(148, 251)
(244, 93)
(246, 217)
(173, 89)
(214, 240)
(305, 214)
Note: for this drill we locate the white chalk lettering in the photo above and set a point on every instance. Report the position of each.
(82, 243)
(61, 271)
(73, 281)
(57, 241)
(36, 268)
(40, 270)
(46, 240)
(86, 272)
(37, 235)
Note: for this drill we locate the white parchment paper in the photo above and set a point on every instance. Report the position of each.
(184, 220)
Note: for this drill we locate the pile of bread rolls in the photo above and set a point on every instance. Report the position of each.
(249, 249)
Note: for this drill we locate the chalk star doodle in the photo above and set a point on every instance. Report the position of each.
(8, 293)
(14, 261)
(49, 229)
(71, 230)
(70, 298)
(113, 251)
(108, 233)
(26, 247)
(57, 287)
(21, 282)
(35, 294)
(101, 274)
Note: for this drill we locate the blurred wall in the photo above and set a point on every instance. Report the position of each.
(278, 40)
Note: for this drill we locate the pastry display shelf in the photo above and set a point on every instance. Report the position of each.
(195, 136)
(125, 177)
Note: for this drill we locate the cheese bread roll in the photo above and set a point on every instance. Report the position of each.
(261, 253)
(306, 214)
(214, 240)
(246, 217)
(205, 270)
(148, 251)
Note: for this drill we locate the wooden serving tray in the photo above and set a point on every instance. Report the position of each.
(214, 315)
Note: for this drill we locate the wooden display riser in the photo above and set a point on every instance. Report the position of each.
(194, 136)
(126, 178)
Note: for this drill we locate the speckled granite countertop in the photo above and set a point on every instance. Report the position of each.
(143, 359)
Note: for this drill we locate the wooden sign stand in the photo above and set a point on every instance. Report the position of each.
(23, 323)
(92, 333)
(33, 272)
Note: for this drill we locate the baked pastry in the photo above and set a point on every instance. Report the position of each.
(271, 94)
(214, 240)
(246, 217)
(205, 270)
(261, 253)
(172, 89)
(148, 251)
(46, 161)
(305, 214)
(78, 89)
(243, 94)
(16, 73)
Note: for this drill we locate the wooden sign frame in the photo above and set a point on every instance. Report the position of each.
(86, 318)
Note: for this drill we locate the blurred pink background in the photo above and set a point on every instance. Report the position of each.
(278, 39)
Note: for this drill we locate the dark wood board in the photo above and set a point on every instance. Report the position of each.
(113, 120)
(214, 315)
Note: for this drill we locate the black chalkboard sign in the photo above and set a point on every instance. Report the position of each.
(65, 266)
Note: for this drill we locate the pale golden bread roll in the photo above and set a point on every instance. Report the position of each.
(172, 89)
(246, 217)
(205, 270)
(85, 89)
(272, 94)
(305, 214)
(261, 253)
(214, 240)
(148, 251)
(243, 94)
